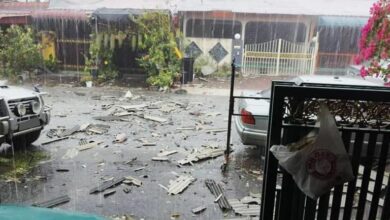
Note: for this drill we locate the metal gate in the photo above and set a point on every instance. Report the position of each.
(280, 57)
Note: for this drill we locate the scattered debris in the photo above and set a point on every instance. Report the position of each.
(213, 114)
(251, 200)
(84, 127)
(201, 154)
(166, 153)
(55, 140)
(203, 79)
(214, 131)
(86, 146)
(126, 190)
(139, 169)
(70, 154)
(129, 95)
(120, 138)
(146, 144)
(244, 209)
(155, 118)
(106, 185)
(167, 109)
(62, 170)
(109, 193)
(217, 191)
(186, 128)
(255, 195)
(132, 181)
(160, 158)
(175, 216)
(53, 202)
(198, 209)
(122, 114)
(166, 189)
(98, 129)
(218, 198)
(108, 118)
(181, 92)
(53, 132)
(178, 185)
(132, 107)
(69, 132)
(107, 106)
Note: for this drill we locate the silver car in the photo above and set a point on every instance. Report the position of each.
(252, 125)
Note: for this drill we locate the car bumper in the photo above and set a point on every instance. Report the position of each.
(250, 136)
(29, 125)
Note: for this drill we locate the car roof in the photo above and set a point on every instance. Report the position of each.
(334, 80)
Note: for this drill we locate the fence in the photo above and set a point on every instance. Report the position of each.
(280, 57)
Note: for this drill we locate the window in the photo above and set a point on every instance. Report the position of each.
(212, 28)
(260, 32)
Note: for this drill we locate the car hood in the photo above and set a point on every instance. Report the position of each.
(12, 92)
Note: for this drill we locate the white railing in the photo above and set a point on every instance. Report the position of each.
(280, 57)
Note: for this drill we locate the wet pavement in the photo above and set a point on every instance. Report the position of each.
(89, 168)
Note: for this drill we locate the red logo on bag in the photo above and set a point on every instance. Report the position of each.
(321, 164)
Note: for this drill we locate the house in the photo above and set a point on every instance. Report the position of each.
(334, 25)
(265, 37)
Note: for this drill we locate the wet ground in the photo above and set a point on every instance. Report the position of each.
(89, 168)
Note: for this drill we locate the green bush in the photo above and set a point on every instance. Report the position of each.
(100, 58)
(18, 51)
(160, 61)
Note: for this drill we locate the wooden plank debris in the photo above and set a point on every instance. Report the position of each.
(217, 191)
(180, 184)
(106, 185)
(55, 140)
(53, 202)
(201, 154)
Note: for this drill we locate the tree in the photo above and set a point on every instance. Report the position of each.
(18, 51)
(160, 61)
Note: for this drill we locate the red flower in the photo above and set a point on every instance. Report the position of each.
(363, 72)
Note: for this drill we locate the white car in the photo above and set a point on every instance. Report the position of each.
(23, 115)
(252, 125)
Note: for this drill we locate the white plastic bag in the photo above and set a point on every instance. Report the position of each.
(321, 161)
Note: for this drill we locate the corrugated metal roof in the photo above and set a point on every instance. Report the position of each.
(294, 7)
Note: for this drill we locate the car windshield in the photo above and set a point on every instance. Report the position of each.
(120, 109)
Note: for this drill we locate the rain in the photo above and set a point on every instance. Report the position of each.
(121, 147)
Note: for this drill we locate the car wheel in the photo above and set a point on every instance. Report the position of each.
(26, 140)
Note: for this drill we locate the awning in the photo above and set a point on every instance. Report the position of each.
(340, 21)
(116, 15)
